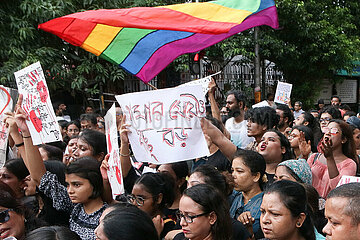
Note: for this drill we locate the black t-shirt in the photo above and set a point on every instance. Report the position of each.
(218, 160)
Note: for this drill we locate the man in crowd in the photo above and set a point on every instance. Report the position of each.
(286, 117)
(60, 111)
(335, 101)
(259, 120)
(88, 121)
(343, 213)
(236, 125)
(298, 109)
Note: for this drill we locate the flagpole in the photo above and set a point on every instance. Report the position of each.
(152, 86)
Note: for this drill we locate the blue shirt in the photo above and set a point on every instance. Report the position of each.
(253, 206)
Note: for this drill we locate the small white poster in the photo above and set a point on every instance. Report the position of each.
(283, 92)
(114, 173)
(165, 124)
(37, 104)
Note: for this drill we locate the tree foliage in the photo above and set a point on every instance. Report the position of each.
(316, 38)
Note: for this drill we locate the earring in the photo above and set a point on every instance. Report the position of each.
(298, 224)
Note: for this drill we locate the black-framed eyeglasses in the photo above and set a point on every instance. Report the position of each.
(324, 119)
(189, 218)
(5, 216)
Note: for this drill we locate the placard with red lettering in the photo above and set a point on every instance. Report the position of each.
(114, 173)
(37, 104)
(165, 124)
(348, 179)
(6, 105)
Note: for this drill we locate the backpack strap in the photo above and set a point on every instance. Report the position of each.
(317, 155)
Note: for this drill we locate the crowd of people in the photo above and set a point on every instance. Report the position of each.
(272, 173)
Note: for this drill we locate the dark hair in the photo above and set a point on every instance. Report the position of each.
(95, 139)
(336, 96)
(350, 114)
(17, 167)
(128, 223)
(333, 111)
(8, 200)
(239, 96)
(88, 117)
(309, 136)
(293, 196)
(284, 142)
(74, 122)
(53, 153)
(348, 148)
(313, 202)
(264, 116)
(52, 233)
(56, 105)
(211, 200)
(351, 192)
(255, 161)
(88, 168)
(286, 112)
(213, 177)
(308, 117)
(181, 170)
(216, 123)
(63, 123)
(57, 168)
(156, 183)
(345, 107)
(298, 102)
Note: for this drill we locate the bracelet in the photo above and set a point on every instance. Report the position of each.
(27, 136)
(124, 155)
(19, 144)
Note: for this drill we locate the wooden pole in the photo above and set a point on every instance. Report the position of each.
(152, 86)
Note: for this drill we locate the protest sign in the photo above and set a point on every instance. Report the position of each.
(37, 104)
(6, 105)
(283, 92)
(348, 179)
(165, 124)
(114, 173)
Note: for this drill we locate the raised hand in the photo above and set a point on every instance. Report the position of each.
(304, 146)
(21, 116)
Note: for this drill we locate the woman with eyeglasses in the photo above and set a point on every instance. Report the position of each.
(15, 219)
(301, 141)
(152, 193)
(203, 214)
(337, 157)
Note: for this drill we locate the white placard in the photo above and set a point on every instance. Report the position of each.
(348, 179)
(165, 124)
(6, 104)
(37, 104)
(204, 82)
(114, 173)
(283, 92)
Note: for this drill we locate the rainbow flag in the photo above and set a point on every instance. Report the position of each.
(144, 40)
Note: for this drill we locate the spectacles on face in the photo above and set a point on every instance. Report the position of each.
(4, 215)
(138, 200)
(324, 120)
(292, 136)
(332, 131)
(188, 218)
